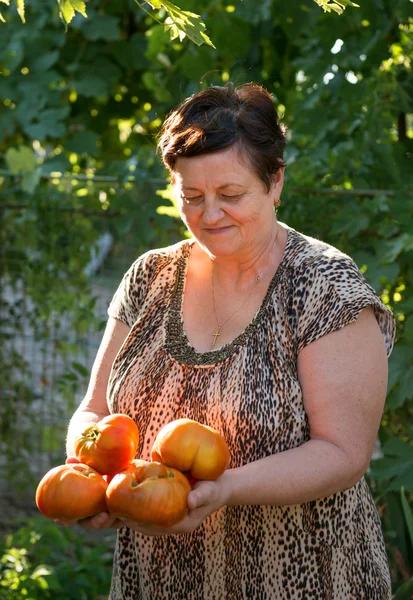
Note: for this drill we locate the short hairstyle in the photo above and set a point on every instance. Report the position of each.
(224, 116)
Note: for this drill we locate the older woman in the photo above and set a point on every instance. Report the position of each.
(274, 339)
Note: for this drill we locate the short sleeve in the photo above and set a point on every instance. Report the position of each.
(333, 292)
(128, 297)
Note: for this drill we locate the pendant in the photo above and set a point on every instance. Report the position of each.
(215, 335)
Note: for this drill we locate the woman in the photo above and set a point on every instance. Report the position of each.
(275, 340)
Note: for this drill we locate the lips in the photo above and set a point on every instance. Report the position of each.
(217, 229)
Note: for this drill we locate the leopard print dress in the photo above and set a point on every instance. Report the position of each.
(327, 549)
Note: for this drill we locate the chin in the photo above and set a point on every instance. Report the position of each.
(217, 248)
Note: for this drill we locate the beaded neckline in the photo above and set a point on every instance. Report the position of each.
(176, 341)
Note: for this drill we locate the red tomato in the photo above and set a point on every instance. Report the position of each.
(73, 491)
(150, 493)
(191, 447)
(109, 445)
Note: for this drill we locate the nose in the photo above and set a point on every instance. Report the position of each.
(212, 211)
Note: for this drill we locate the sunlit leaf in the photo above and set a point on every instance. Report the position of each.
(68, 9)
(338, 6)
(20, 9)
(2, 19)
(181, 23)
(20, 160)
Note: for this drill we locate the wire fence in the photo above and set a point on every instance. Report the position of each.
(45, 372)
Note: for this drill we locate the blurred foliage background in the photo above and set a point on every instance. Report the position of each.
(82, 194)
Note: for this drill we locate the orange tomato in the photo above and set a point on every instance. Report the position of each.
(109, 445)
(191, 447)
(71, 491)
(150, 493)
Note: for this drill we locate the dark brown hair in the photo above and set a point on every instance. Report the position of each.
(220, 117)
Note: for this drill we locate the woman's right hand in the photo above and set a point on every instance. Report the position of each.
(103, 520)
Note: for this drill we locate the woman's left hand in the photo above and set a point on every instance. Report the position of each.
(205, 498)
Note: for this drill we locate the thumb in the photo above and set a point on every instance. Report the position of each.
(195, 499)
(71, 460)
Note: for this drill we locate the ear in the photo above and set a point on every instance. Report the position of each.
(277, 183)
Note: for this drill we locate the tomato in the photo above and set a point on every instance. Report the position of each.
(71, 491)
(109, 445)
(187, 445)
(150, 493)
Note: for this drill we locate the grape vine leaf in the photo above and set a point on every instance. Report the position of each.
(69, 8)
(182, 23)
(2, 19)
(338, 6)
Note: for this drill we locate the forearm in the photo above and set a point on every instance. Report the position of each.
(314, 470)
(78, 423)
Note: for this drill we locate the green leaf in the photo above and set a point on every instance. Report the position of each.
(68, 9)
(49, 123)
(404, 390)
(21, 160)
(405, 591)
(408, 515)
(181, 23)
(80, 369)
(12, 55)
(400, 386)
(91, 86)
(45, 61)
(30, 181)
(20, 9)
(83, 142)
(338, 6)
(58, 164)
(101, 27)
(2, 19)
(403, 243)
(396, 466)
(131, 54)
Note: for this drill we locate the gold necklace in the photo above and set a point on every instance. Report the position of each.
(217, 333)
(219, 325)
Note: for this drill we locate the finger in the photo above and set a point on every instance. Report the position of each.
(97, 522)
(198, 497)
(71, 460)
(64, 522)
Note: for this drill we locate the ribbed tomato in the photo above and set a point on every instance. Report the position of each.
(150, 493)
(191, 447)
(71, 491)
(109, 445)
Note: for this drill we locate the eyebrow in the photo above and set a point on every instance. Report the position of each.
(220, 187)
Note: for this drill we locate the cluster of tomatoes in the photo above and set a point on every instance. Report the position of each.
(108, 478)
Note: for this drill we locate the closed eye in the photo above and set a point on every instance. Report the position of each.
(233, 197)
(192, 199)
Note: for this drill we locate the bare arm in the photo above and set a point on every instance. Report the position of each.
(343, 376)
(94, 406)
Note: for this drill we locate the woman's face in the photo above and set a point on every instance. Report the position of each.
(224, 203)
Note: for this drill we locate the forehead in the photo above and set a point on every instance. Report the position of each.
(215, 169)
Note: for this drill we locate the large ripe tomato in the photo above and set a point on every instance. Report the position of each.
(191, 447)
(109, 445)
(150, 493)
(73, 491)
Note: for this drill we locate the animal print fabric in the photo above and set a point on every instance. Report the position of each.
(328, 549)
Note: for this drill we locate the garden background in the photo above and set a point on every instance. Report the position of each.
(82, 194)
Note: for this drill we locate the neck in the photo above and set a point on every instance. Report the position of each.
(255, 262)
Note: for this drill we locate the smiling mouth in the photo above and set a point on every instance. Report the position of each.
(217, 229)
